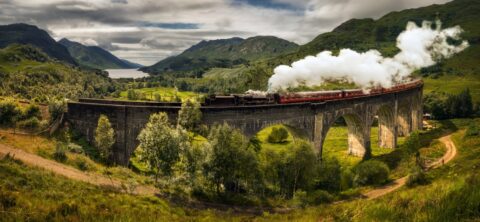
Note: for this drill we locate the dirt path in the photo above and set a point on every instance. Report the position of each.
(72, 173)
(449, 155)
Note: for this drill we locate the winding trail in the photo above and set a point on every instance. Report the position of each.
(102, 180)
(72, 173)
(447, 157)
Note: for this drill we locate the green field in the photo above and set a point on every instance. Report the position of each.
(454, 85)
(335, 145)
(166, 94)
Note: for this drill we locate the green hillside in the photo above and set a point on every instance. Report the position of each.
(95, 57)
(32, 35)
(223, 53)
(381, 34)
(26, 72)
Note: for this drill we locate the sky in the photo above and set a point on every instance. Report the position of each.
(150, 30)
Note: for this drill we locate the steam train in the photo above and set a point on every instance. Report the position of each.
(302, 97)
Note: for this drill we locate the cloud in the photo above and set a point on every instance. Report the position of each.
(178, 24)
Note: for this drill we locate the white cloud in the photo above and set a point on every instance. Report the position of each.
(113, 24)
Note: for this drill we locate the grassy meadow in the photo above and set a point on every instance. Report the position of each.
(451, 195)
(167, 94)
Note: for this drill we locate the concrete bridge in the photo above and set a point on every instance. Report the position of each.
(398, 114)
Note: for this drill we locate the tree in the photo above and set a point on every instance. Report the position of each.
(132, 95)
(161, 145)
(189, 116)
(104, 137)
(301, 165)
(231, 164)
(278, 135)
(56, 108)
(329, 175)
(371, 172)
(466, 105)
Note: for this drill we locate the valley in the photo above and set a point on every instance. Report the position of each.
(239, 111)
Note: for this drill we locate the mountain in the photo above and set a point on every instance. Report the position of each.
(450, 76)
(95, 57)
(132, 64)
(224, 53)
(32, 35)
(27, 72)
(381, 34)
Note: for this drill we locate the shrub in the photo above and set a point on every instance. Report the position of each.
(82, 164)
(30, 123)
(31, 111)
(472, 130)
(278, 135)
(7, 200)
(59, 154)
(56, 109)
(319, 197)
(371, 172)
(75, 148)
(300, 198)
(412, 144)
(157, 97)
(132, 94)
(9, 113)
(417, 177)
(66, 209)
(328, 175)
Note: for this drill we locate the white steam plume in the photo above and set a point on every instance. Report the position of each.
(419, 47)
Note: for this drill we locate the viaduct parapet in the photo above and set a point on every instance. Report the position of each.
(398, 114)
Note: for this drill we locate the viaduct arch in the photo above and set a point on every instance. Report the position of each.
(398, 114)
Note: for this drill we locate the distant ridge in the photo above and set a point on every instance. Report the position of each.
(223, 53)
(95, 57)
(31, 35)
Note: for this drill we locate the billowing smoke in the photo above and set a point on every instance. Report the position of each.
(419, 47)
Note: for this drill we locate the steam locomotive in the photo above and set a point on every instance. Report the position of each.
(302, 97)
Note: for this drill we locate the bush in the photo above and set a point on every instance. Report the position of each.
(417, 177)
(278, 135)
(472, 130)
(7, 200)
(59, 154)
(319, 197)
(75, 148)
(157, 97)
(56, 109)
(82, 164)
(328, 175)
(31, 111)
(30, 123)
(132, 94)
(370, 172)
(66, 209)
(300, 198)
(9, 113)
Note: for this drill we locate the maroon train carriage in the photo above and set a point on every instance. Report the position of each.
(303, 97)
(317, 96)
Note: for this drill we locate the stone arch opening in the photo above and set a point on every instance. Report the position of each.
(357, 141)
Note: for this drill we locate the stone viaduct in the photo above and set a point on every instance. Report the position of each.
(398, 114)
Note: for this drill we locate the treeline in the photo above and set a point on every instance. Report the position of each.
(28, 73)
(446, 106)
(28, 117)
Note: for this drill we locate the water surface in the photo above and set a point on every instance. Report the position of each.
(125, 73)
